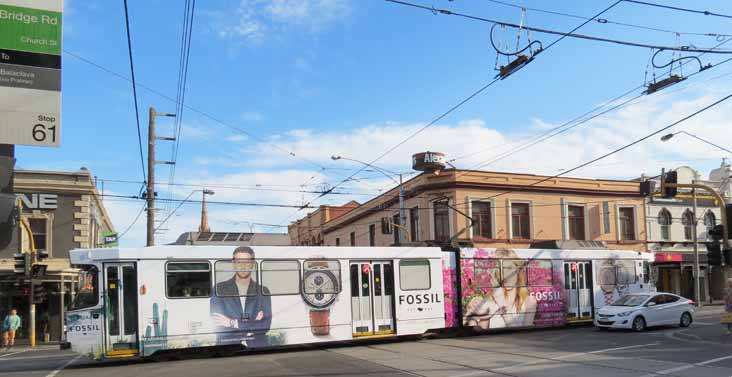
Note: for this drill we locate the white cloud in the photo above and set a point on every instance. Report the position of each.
(270, 167)
(257, 20)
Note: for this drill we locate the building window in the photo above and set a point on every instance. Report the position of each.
(482, 220)
(442, 221)
(338, 241)
(664, 220)
(38, 229)
(709, 222)
(520, 221)
(397, 230)
(627, 223)
(414, 224)
(372, 235)
(353, 238)
(688, 220)
(576, 222)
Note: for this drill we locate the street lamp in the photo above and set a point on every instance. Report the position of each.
(668, 137)
(389, 174)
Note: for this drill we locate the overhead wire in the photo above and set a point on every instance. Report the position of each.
(459, 104)
(562, 34)
(571, 124)
(607, 21)
(134, 90)
(133, 222)
(689, 10)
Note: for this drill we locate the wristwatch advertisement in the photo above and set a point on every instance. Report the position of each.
(606, 279)
(319, 290)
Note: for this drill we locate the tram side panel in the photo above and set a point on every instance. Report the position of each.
(499, 289)
(271, 315)
(420, 296)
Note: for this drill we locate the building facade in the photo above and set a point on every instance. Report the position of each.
(308, 231)
(507, 210)
(64, 211)
(672, 226)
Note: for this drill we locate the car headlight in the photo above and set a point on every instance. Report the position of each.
(624, 314)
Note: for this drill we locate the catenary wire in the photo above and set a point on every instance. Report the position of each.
(524, 146)
(134, 90)
(563, 34)
(458, 105)
(607, 21)
(704, 12)
(195, 110)
(133, 222)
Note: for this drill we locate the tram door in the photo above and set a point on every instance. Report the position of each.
(578, 288)
(372, 292)
(120, 308)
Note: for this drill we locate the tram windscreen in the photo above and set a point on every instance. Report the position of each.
(88, 294)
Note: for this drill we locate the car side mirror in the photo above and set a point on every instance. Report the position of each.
(651, 304)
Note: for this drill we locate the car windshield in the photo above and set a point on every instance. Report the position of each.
(630, 300)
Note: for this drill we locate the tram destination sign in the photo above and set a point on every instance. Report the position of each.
(30, 72)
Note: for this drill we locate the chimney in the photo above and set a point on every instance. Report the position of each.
(204, 216)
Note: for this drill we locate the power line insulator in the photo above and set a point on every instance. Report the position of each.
(668, 81)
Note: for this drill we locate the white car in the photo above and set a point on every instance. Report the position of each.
(641, 310)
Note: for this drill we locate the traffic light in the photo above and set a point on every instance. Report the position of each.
(39, 294)
(647, 188)
(41, 255)
(669, 177)
(22, 263)
(7, 200)
(714, 253)
(717, 232)
(728, 214)
(38, 270)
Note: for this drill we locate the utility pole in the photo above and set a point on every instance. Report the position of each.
(151, 162)
(151, 179)
(697, 289)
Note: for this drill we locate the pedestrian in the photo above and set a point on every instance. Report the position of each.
(11, 324)
(727, 314)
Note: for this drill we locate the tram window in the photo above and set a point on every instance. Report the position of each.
(188, 279)
(388, 280)
(513, 273)
(354, 280)
(625, 272)
(487, 273)
(414, 274)
(540, 273)
(88, 294)
(332, 269)
(225, 281)
(281, 277)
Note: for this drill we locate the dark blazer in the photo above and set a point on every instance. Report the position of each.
(229, 304)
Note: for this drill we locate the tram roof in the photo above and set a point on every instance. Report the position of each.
(82, 256)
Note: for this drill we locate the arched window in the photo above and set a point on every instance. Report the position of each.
(688, 220)
(664, 219)
(709, 221)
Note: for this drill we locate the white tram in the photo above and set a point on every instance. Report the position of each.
(136, 302)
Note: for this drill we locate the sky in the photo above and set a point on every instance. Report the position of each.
(280, 86)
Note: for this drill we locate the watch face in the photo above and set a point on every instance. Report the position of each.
(606, 277)
(320, 288)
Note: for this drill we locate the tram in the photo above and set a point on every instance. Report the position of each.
(137, 302)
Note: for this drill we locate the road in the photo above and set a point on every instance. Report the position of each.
(699, 351)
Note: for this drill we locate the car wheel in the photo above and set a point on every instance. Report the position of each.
(685, 320)
(639, 324)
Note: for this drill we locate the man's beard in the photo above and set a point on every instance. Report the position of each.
(243, 275)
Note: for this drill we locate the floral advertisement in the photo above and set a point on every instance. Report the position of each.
(501, 290)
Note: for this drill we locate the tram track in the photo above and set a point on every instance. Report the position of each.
(561, 359)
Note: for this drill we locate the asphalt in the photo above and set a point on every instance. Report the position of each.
(701, 350)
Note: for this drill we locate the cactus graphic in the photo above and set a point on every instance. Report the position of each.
(164, 328)
(156, 319)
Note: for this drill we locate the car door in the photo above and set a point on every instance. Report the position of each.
(654, 314)
(674, 307)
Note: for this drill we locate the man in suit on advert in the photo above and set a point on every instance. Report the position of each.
(241, 309)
